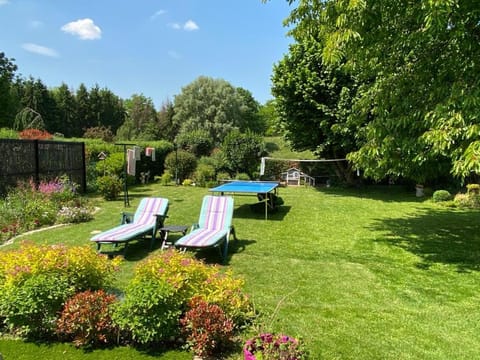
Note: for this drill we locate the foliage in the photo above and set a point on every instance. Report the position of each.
(205, 171)
(181, 163)
(149, 311)
(30, 307)
(35, 134)
(166, 178)
(469, 200)
(199, 142)
(112, 165)
(208, 329)
(274, 346)
(25, 207)
(109, 186)
(187, 182)
(191, 278)
(243, 151)
(6, 133)
(215, 106)
(7, 74)
(314, 103)
(441, 195)
(86, 318)
(74, 214)
(393, 48)
(99, 132)
(81, 265)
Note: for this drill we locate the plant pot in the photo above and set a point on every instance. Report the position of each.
(419, 190)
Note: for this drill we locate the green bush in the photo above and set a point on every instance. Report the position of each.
(112, 165)
(193, 278)
(35, 281)
(166, 178)
(149, 312)
(182, 163)
(109, 186)
(30, 307)
(198, 142)
(441, 195)
(204, 173)
(242, 176)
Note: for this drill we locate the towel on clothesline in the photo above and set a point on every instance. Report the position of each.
(138, 151)
(150, 151)
(131, 162)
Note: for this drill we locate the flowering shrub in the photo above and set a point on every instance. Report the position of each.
(35, 281)
(86, 318)
(272, 347)
(68, 214)
(27, 207)
(33, 134)
(191, 278)
(84, 268)
(207, 328)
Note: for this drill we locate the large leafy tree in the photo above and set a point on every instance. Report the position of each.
(417, 63)
(313, 102)
(213, 105)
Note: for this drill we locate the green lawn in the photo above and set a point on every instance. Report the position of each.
(370, 273)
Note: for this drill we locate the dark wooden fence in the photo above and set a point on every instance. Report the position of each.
(41, 160)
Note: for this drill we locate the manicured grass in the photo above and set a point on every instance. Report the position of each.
(371, 273)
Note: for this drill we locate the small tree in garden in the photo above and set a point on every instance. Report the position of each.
(180, 163)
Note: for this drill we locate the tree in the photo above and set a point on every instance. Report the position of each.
(313, 102)
(417, 63)
(271, 119)
(65, 110)
(82, 98)
(167, 128)
(7, 73)
(37, 106)
(143, 116)
(213, 105)
(242, 152)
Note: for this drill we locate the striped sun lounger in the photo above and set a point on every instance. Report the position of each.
(147, 220)
(214, 225)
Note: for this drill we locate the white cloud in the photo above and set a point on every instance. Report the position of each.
(85, 29)
(4, 2)
(39, 49)
(175, 26)
(157, 14)
(190, 25)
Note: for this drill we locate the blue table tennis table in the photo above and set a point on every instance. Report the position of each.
(249, 187)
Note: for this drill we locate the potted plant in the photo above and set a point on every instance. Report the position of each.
(274, 346)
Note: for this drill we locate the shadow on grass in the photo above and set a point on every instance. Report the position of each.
(437, 236)
(386, 193)
(214, 256)
(245, 212)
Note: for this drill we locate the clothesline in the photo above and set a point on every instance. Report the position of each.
(302, 160)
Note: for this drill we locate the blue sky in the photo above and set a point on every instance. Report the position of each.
(149, 47)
